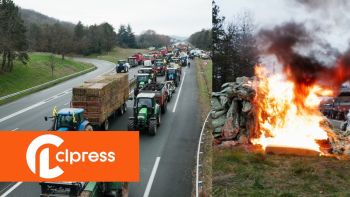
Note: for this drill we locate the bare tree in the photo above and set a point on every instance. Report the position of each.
(52, 63)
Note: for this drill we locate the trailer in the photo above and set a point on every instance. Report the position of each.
(102, 98)
(161, 94)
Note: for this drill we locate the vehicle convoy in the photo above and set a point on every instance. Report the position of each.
(147, 115)
(69, 119)
(84, 189)
(101, 98)
(132, 61)
(122, 66)
(173, 74)
(337, 108)
(161, 94)
(149, 71)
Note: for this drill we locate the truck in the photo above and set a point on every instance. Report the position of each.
(146, 114)
(139, 58)
(161, 94)
(102, 98)
(84, 189)
(133, 61)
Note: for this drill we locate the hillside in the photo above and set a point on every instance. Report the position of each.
(31, 16)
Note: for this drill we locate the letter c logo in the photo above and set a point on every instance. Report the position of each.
(44, 167)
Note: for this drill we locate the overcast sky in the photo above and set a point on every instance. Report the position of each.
(170, 17)
(331, 18)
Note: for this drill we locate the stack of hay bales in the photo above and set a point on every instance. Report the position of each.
(101, 96)
(233, 115)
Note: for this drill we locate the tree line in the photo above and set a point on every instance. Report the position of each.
(234, 48)
(201, 39)
(18, 37)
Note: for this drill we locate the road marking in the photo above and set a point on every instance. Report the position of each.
(14, 129)
(178, 95)
(67, 103)
(11, 189)
(151, 178)
(198, 153)
(34, 106)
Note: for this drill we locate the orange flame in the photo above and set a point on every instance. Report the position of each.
(287, 115)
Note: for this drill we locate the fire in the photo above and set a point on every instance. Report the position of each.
(287, 113)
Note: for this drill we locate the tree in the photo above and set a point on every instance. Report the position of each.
(217, 37)
(13, 42)
(201, 39)
(131, 41)
(52, 63)
(151, 39)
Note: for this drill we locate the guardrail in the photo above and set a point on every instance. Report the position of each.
(47, 83)
(198, 154)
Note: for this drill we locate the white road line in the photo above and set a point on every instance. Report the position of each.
(14, 129)
(67, 103)
(151, 178)
(33, 106)
(11, 189)
(178, 95)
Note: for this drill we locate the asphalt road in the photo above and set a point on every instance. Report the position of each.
(167, 159)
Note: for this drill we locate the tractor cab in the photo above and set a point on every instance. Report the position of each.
(184, 60)
(172, 74)
(69, 119)
(159, 66)
(146, 113)
(149, 71)
(133, 61)
(141, 80)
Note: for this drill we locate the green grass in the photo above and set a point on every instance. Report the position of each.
(204, 80)
(37, 72)
(117, 54)
(238, 173)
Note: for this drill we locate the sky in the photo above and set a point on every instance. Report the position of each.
(169, 17)
(327, 19)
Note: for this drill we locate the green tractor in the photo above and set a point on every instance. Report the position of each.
(146, 114)
(84, 189)
(141, 80)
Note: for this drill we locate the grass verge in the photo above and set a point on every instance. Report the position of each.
(117, 54)
(238, 173)
(37, 72)
(204, 80)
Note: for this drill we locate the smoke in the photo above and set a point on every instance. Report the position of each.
(294, 47)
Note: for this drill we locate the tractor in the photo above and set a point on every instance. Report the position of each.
(146, 114)
(86, 189)
(173, 74)
(122, 66)
(141, 80)
(69, 119)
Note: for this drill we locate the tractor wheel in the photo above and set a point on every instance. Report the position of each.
(164, 107)
(125, 190)
(122, 109)
(131, 125)
(169, 98)
(105, 125)
(152, 130)
(176, 84)
(88, 128)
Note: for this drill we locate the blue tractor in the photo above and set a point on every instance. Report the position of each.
(69, 119)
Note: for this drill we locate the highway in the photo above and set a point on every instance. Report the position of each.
(166, 160)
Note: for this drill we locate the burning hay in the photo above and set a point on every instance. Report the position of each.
(264, 111)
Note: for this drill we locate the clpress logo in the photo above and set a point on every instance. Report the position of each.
(45, 171)
(74, 156)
